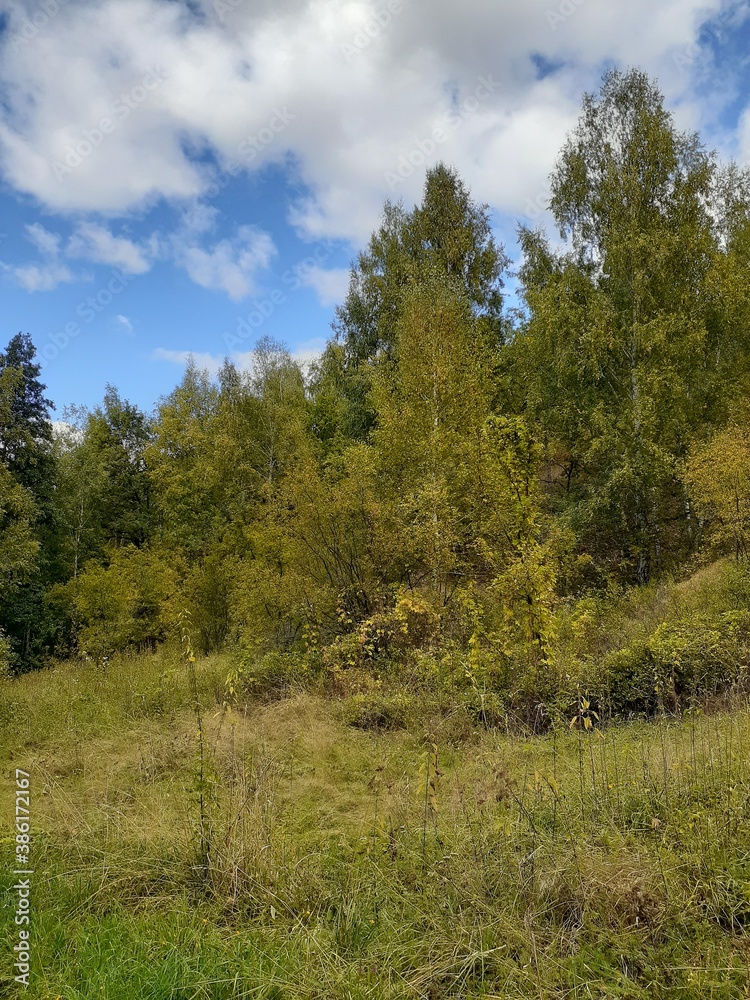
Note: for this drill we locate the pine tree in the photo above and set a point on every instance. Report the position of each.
(25, 426)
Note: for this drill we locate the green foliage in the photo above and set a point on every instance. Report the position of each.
(25, 427)
(118, 434)
(378, 710)
(446, 235)
(207, 589)
(446, 240)
(6, 656)
(678, 664)
(19, 545)
(455, 484)
(718, 476)
(624, 352)
(275, 675)
(81, 484)
(180, 466)
(127, 603)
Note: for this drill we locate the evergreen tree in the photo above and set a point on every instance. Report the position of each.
(25, 426)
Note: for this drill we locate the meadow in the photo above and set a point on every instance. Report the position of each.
(185, 847)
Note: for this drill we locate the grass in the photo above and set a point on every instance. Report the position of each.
(432, 860)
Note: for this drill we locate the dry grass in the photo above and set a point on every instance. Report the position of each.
(577, 864)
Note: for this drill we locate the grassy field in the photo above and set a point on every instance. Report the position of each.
(277, 851)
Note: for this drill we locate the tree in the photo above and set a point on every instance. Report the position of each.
(129, 602)
(19, 546)
(25, 426)
(19, 556)
(619, 346)
(26, 457)
(277, 384)
(432, 398)
(80, 489)
(460, 481)
(118, 434)
(718, 477)
(447, 235)
(180, 465)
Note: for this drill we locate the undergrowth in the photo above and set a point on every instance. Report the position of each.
(388, 842)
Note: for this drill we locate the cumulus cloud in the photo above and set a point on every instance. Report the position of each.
(329, 284)
(47, 243)
(41, 278)
(47, 274)
(96, 243)
(231, 265)
(330, 86)
(305, 354)
(210, 362)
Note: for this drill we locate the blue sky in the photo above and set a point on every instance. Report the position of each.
(180, 178)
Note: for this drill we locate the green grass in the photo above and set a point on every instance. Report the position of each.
(577, 864)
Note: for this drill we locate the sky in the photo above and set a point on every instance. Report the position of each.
(186, 176)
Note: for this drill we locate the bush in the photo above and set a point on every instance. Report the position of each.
(378, 710)
(127, 604)
(5, 655)
(271, 676)
(627, 682)
(680, 661)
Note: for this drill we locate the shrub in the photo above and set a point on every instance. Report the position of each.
(125, 604)
(680, 661)
(271, 676)
(5, 655)
(378, 710)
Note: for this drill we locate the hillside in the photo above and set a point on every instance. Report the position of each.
(437, 858)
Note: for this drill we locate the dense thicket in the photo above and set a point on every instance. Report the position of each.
(454, 474)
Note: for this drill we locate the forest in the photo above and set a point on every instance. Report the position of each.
(461, 484)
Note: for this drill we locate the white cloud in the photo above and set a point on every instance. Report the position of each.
(41, 278)
(231, 265)
(97, 244)
(274, 81)
(206, 361)
(47, 243)
(199, 218)
(304, 354)
(308, 352)
(44, 276)
(124, 323)
(329, 284)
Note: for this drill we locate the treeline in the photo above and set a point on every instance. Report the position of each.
(454, 471)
